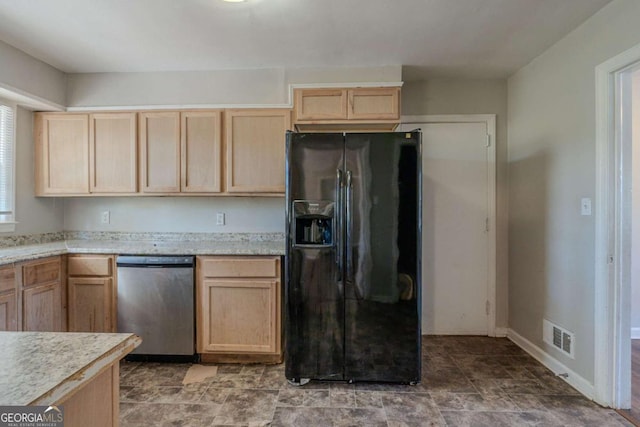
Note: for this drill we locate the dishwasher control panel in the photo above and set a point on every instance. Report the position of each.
(165, 260)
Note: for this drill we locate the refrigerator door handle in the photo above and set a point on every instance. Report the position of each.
(349, 226)
(338, 222)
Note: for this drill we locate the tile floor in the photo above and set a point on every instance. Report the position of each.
(466, 381)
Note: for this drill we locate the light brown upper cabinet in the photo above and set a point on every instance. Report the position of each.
(255, 142)
(374, 104)
(112, 153)
(78, 154)
(180, 151)
(201, 152)
(159, 152)
(375, 108)
(321, 104)
(62, 154)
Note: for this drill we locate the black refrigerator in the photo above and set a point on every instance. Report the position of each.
(353, 274)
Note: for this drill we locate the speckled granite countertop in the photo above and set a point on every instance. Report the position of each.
(28, 252)
(177, 248)
(43, 368)
(148, 244)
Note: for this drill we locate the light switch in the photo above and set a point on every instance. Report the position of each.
(585, 206)
(105, 217)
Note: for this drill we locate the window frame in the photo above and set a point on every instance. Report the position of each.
(9, 225)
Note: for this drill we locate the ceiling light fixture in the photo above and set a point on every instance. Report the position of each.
(234, 1)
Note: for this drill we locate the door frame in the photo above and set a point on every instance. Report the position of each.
(490, 121)
(612, 286)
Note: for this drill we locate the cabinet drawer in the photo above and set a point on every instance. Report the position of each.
(7, 279)
(240, 267)
(41, 272)
(89, 265)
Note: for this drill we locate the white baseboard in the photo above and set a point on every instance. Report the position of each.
(501, 332)
(635, 333)
(575, 380)
(498, 332)
(482, 333)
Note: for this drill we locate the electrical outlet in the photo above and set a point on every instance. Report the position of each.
(105, 217)
(220, 218)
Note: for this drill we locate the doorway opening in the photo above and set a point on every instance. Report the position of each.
(617, 224)
(630, 132)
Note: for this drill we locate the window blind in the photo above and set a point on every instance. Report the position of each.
(6, 163)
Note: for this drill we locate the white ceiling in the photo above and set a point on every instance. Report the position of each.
(457, 38)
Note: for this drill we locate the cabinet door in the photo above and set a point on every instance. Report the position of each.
(239, 316)
(320, 104)
(201, 152)
(8, 311)
(7, 278)
(255, 142)
(91, 305)
(8, 299)
(160, 152)
(112, 153)
(62, 154)
(374, 104)
(41, 308)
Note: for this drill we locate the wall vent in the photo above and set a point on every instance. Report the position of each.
(558, 337)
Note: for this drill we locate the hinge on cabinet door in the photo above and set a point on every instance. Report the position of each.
(487, 307)
(488, 140)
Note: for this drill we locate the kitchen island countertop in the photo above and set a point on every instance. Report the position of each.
(44, 368)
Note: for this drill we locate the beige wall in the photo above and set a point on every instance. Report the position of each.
(455, 96)
(224, 87)
(551, 127)
(390, 73)
(25, 75)
(34, 215)
(265, 86)
(176, 214)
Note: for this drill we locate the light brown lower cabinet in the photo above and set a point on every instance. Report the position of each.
(90, 304)
(91, 293)
(41, 288)
(8, 312)
(97, 403)
(41, 306)
(239, 309)
(8, 299)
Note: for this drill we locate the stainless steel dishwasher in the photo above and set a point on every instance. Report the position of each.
(156, 302)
